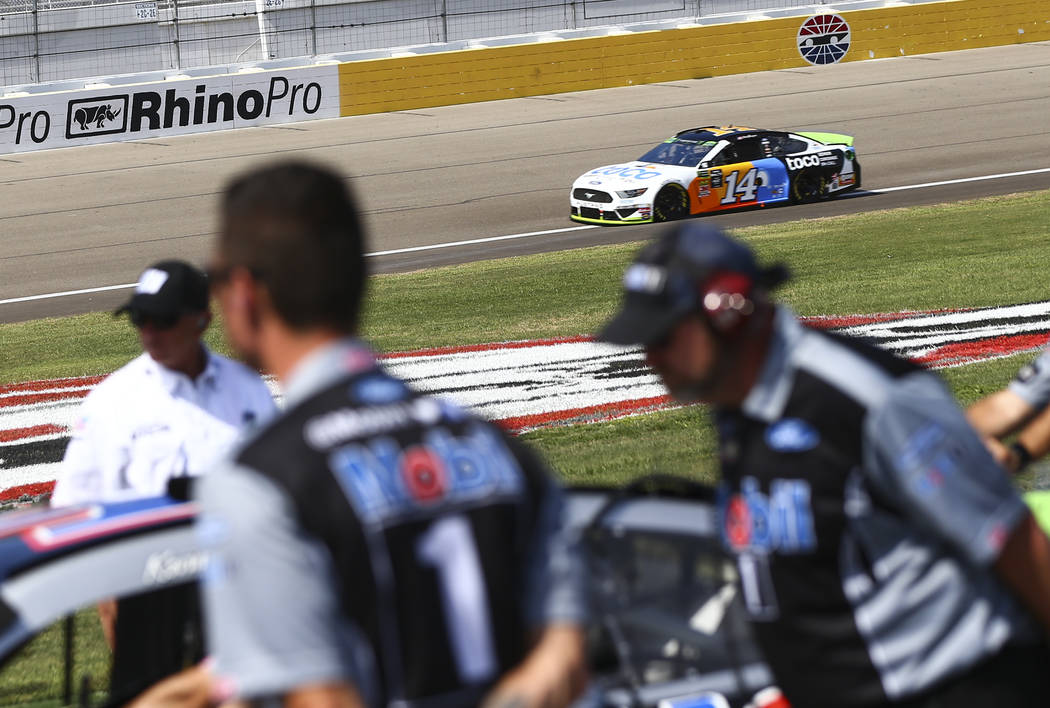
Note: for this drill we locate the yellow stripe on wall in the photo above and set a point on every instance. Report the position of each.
(488, 74)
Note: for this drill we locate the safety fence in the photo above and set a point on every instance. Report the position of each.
(51, 40)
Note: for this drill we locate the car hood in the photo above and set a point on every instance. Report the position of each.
(632, 175)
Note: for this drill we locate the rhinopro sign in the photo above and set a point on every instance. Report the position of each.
(168, 108)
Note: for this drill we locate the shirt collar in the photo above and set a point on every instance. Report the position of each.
(171, 380)
(769, 393)
(326, 365)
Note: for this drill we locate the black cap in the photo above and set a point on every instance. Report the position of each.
(663, 283)
(168, 288)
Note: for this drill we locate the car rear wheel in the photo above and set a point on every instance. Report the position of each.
(672, 202)
(807, 187)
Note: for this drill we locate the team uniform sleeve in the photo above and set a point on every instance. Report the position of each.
(926, 459)
(271, 614)
(1032, 382)
(93, 456)
(557, 587)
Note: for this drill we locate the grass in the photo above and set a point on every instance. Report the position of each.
(969, 254)
(35, 676)
(975, 253)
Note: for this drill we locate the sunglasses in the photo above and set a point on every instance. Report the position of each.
(142, 319)
(218, 274)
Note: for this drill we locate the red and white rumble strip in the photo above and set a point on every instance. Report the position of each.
(528, 385)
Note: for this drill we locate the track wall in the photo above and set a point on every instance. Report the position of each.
(487, 74)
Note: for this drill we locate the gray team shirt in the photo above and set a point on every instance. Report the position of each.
(925, 513)
(271, 606)
(1032, 382)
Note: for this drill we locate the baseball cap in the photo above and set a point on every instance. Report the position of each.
(168, 289)
(663, 283)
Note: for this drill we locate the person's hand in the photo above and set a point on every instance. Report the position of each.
(1002, 454)
(190, 688)
(551, 676)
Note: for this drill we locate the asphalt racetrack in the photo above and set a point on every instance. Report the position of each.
(91, 217)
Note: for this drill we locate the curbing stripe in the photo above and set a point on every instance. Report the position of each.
(540, 383)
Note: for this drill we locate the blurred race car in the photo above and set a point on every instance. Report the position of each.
(669, 626)
(668, 621)
(713, 169)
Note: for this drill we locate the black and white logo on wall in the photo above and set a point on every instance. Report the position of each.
(823, 39)
(97, 116)
(193, 105)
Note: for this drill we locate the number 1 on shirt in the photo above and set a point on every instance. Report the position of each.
(448, 547)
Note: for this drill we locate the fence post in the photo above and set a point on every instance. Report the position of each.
(572, 9)
(264, 42)
(35, 77)
(68, 629)
(313, 26)
(175, 25)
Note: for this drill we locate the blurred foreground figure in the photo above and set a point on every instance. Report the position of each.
(884, 557)
(375, 546)
(1023, 407)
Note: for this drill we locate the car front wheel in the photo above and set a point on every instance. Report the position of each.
(672, 202)
(807, 187)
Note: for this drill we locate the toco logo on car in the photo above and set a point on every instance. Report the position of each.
(823, 39)
(797, 163)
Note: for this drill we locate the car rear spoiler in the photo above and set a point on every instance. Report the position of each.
(828, 138)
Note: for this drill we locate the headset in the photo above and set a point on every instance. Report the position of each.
(725, 301)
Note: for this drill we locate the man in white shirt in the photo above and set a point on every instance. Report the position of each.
(170, 412)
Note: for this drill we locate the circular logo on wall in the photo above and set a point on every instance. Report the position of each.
(823, 39)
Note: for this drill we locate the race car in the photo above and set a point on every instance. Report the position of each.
(713, 169)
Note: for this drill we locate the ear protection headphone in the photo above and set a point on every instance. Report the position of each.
(724, 300)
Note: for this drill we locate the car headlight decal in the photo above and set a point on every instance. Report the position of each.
(629, 193)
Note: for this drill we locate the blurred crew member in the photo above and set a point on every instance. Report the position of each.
(1022, 408)
(170, 413)
(884, 558)
(376, 546)
(173, 411)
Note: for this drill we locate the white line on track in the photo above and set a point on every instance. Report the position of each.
(68, 292)
(961, 181)
(488, 239)
(508, 237)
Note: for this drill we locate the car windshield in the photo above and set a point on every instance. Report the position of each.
(678, 151)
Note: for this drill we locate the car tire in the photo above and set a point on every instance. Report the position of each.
(856, 173)
(671, 202)
(808, 187)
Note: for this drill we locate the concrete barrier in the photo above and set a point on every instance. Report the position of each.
(760, 44)
(110, 113)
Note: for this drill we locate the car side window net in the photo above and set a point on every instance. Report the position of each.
(749, 150)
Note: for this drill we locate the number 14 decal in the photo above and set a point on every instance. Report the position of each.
(742, 190)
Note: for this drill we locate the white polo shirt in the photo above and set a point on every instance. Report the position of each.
(145, 424)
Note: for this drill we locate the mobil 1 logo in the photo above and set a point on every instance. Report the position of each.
(103, 115)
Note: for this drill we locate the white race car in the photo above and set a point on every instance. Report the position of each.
(713, 169)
